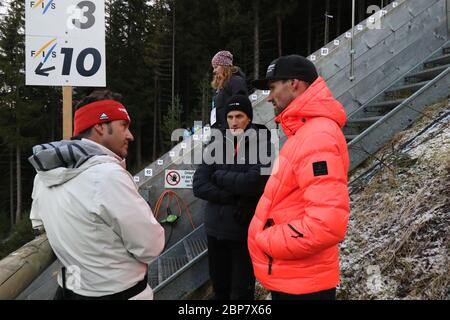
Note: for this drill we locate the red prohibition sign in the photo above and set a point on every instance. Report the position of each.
(173, 178)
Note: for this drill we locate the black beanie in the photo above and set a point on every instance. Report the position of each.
(239, 103)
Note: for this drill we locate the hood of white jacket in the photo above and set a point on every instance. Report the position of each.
(58, 162)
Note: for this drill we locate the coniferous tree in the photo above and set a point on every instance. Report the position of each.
(12, 85)
(172, 121)
(158, 57)
(26, 112)
(127, 71)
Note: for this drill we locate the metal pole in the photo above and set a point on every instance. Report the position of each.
(327, 25)
(173, 63)
(352, 48)
(11, 189)
(327, 28)
(448, 16)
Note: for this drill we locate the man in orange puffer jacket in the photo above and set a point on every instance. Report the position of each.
(303, 214)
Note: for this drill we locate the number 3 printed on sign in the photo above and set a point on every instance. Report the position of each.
(81, 15)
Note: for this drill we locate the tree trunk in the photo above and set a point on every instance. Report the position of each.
(11, 188)
(338, 19)
(256, 36)
(204, 109)
(155, 115)
(52, 121)
(187, 104)
(280, 32)
(202, 90)
(173, 64)
(161, 139)
(309, 27)
(138, 141)
(205, 87)
(361, 9)
(19, 184)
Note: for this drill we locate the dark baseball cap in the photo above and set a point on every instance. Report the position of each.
(288, 67)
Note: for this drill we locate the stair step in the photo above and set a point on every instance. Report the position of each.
(196, 246)
(427, 74)
(413, 87)
(365, 120)
(390, 104)
(168, 266)
(190, 255)
(446, 50)
(153, 275)
(445, 59)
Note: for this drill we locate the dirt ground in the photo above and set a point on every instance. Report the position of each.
(397, 243)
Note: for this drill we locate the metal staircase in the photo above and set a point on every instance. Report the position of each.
(392, 110)
(181, 268)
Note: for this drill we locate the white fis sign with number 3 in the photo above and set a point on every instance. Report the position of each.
(65, 43)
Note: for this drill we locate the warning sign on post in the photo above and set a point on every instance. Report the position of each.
(179, 179)
(65, 43)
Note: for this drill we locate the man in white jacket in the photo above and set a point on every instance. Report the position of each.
(100, 228)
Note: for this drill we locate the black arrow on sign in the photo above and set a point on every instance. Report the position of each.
(43, 72)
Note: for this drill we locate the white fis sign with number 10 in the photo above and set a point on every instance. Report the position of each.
(65, 43)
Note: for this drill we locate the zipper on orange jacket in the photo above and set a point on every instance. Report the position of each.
(268, 224)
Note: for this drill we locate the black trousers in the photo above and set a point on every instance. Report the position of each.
(231, 270)
(321, 295)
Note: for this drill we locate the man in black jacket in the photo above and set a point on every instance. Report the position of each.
(232, 191)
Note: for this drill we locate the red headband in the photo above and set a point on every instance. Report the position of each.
(98, 112)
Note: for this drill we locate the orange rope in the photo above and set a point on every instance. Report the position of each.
(179, 201)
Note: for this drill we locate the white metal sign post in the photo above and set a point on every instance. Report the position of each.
(65, 46)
